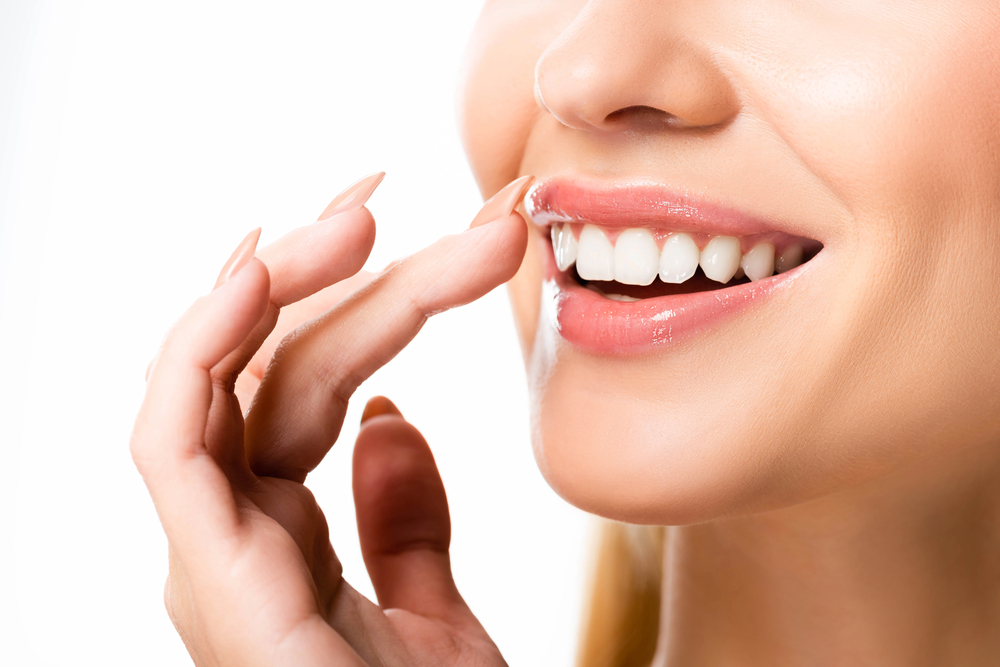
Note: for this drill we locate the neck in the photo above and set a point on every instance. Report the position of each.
(901, 571)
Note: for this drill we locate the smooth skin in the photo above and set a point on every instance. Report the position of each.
(830, 458)
(253, 577)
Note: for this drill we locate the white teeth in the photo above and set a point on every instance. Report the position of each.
(564, 245)
(721, 258)
(595, 256)
(636, 257)
(789, 258)
(758, 263)
(620, 297)
(679, 259)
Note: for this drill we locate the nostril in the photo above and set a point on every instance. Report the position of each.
(646, 118)
(637, 111)
(641, 116)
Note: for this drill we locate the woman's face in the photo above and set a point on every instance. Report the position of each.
(663, 134)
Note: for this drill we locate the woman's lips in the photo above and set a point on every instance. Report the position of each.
(595, 323)
(664, 313)
(641, 204)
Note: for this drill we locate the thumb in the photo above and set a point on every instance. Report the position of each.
(403, 519)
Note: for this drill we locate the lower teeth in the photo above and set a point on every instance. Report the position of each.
(620, 297)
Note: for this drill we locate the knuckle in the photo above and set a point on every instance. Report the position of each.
(286, 345)
(340, 385)
(326, 370)
(403, 279)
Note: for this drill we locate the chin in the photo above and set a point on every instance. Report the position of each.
(611, 453)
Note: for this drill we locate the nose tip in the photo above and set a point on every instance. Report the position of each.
(600, 75)
(571, 91)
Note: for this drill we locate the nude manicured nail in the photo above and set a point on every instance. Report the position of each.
(503, 203)
(243, 254)
(379, 405)
(353, 197)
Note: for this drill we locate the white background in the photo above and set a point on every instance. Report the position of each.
(139, 142)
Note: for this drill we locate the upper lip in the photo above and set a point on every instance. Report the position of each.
(641, 204)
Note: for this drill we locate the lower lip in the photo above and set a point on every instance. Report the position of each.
(594, 323)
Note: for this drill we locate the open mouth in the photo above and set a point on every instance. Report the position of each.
(641, 263)
(636, 266)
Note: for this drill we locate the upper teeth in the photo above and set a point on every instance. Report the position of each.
(789, 258)
(564, 246)
(679, 259)
(721, 258)
(595, 256)
(758, 262)
(635, 259)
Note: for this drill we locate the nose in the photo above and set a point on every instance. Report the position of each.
(627, 63)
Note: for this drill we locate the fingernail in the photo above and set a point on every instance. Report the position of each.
(353, 197)
(379, 405)
(243, 254)
(502, 203)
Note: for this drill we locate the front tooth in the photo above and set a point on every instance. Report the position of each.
(564, 245)
(595, 256)
(636, 257)
(758, 263)
(721, 258)
(789, 258)
(679, 258)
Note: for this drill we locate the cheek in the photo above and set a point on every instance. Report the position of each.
(899, 119)
(889, 117)
(496, 97)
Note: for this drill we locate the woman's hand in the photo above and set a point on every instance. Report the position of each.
(253, 577)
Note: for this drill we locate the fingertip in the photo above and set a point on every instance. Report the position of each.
(355, 196)
(354, 227)
(221, 320)
(244, 253)
(503, 202)
(391, 447)
(311, 258)
(249, 289)
(519, 236)
(379, 405)
(399, 497)
(507, 243)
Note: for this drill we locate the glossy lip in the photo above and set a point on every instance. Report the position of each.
(642, 204)
(596, 324)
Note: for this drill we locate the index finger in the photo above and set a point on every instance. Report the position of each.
(299, 407)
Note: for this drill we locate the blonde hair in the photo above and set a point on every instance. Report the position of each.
(622, 620)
